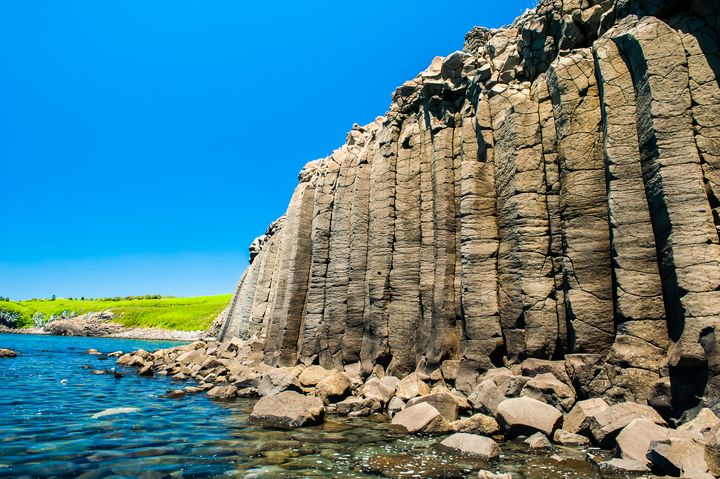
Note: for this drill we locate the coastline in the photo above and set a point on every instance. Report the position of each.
(151, 334)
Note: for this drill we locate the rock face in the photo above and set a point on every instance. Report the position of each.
(552, 189)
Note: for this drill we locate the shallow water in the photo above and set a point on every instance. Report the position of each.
(49, 395)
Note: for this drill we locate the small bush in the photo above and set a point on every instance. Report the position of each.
(10, 318)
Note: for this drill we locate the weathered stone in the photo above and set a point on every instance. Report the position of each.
(421, 418)
(679, 458)
(288, 409)
(375, 389)
(7, 353)
(619, 466)
(471, 445)
(333, 387)
(526, 415)
(411, 386)
(444, 402)
(546, 388)
(566, 438)
(497, 386)
(606, 424)
(538, 441)
(703, 423)
(476, 424)
(222, 393)
(634, 440)
(579, 419)
(278, 380)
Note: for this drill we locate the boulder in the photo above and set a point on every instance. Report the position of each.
(483, 474)
(679, 458)
(222, 393)
(333, 387)
(620, 466)
(312, 375)
(175, 393)
(114, 411)
(712, 450)
(278, 380)
(7, 353)
(634, 440)
(566, 438)
(526, 416)
(411, 386)
(497, 386)
(355, 406)
(421, 418)
(476, 424)
(538, 441)
(471, 445)
(374, 389)
(606, 425)
(533, 367)
(547, 388)
(580, 417)
(395, 405)
(703, 423)
(288, 409)
(445, 402)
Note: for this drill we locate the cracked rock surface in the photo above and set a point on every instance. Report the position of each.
(550, 192)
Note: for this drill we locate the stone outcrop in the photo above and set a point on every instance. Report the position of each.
(551, 192)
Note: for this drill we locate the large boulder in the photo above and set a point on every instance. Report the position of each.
(497, 386)
(634, 440)
(580, 417)
(312, 375)
(445, 402)
(222, 393)
(288, 409)
(7, 353)
(471, 445)
(376, 389)
(411, 386)
(703, 423)
(333, 387)
(278, 380)
(526, 416)
(547, 388)
(421, 418)
(476, 424)
(679, 458)
(538, 441)
(606, 425)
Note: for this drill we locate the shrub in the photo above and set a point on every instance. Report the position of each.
(9, 318)
(39, 319)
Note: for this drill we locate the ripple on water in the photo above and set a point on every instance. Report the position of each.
(47, 429)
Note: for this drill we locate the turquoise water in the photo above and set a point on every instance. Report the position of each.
(49, 395)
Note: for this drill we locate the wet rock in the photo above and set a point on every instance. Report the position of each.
(547, 388)
(94, 352)
(411, 386)
(476, 424)
(538, 441)
(222, 393)
(524, 415)
(579, 419)
(175, 393)
(606, 424)
(566, 438)
(192, 389)
(471, 445)
(278, 380)
(483, 474)
(396, 466)
(421, 418)
(114, 411)
(7, 353)
(620, 466)
(288, 409)
(679, 458)
(115, 354)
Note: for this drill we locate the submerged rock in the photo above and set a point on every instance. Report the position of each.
(288, 409)
(7, 353)
(114, 411)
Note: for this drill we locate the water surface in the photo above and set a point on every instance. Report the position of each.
(49, 395)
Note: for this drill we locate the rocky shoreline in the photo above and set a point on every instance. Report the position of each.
(474, 415)
(69, 328)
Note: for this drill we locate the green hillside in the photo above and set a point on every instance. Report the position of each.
(186, 314)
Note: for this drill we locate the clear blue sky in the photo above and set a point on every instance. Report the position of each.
(144, 144)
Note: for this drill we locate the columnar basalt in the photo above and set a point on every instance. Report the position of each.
(551, 191)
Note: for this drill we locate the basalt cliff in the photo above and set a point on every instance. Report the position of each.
(550, 192)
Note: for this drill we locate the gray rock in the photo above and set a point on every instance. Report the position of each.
(526, 415)
(287, 410)
(471, 445)
(278, 380)
(606, 425)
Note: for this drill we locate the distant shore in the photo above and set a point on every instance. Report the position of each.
(127, 333)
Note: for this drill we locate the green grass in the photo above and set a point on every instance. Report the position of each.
(185, 314)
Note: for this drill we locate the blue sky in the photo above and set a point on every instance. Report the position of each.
(144, 144)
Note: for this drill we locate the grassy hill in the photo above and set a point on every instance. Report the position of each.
(185, 314)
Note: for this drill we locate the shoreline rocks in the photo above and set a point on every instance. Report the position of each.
(7, 353)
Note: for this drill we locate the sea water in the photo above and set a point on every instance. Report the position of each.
(49, 394)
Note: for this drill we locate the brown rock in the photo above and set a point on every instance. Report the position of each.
(222, 393)
(288, 409)
(471, 445)
(7, 353)
(476, 424)
(526, 415)
(606, 425)
(579, 419)
(421, 418)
